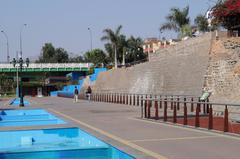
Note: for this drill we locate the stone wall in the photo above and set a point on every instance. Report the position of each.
(178, 69)
(223, 77)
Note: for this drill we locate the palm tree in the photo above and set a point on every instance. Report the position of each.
(176, 19)
(135, 51)
(201, 22)
(113, 38)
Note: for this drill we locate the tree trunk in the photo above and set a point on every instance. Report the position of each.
(123, 62)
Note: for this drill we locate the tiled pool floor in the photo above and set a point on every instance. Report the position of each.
(64, 143)
(30, 117)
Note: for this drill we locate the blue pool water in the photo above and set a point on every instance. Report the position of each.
(27, 118)
(16, 102)
(63, 143)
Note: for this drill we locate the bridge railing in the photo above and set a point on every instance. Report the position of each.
(51, 65)
(177, 109)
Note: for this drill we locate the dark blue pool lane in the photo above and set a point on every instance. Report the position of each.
(29, 117)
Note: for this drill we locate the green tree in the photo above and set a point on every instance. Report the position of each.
(47, 54)
(122, 47)
(112, 37)
(6, 84)
(61, 55)
(134, 50)
(227, 14)
(176, 19)
(186, 30)
(110, 50)
(96, 56)
(77, 59)
(201, 22)
(50, 54)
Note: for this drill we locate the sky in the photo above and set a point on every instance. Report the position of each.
(65, 23)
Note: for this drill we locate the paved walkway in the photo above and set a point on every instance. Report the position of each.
(120, 126)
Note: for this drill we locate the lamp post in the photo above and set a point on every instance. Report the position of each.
(90, 32)
(19, 63)
(17, 93)
(24, 25)
(8, 57)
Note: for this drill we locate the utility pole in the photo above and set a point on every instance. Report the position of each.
(8, 57)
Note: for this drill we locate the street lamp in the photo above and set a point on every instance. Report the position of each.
(8, 57)
(90, 32)
(24, 25)
(20, 64)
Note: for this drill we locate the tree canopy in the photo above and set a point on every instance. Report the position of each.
(227, 13)
(176, 19)
(6, 84)
(134, 50)
(61, 55)
(47, 53)
(96, 56)
(116, 42)
(201, 22)
(113, 37)
(51, 55)
(127, 49)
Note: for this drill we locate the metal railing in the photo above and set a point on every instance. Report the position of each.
(172, 107)
(51, 65)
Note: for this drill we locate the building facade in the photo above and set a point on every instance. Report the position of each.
(151, 45)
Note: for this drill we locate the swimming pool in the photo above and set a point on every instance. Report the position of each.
(16, 102)
(62, 143)
(28, 118)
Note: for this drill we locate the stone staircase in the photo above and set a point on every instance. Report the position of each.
(178, 69)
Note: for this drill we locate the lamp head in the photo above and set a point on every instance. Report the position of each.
(14, 62)
(27, 61)
(20, 62)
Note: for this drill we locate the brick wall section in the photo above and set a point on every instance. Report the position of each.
(223, 74)
(223, 77)
(178, 69)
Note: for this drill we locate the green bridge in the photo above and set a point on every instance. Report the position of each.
(47, 67)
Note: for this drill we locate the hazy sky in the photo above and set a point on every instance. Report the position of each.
(64, 22)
